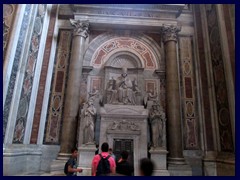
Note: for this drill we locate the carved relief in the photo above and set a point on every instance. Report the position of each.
(122, 90)
(123, 126)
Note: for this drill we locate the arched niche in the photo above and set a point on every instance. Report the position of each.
(113, 70)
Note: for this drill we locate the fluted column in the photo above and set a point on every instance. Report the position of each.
(169, 34)
(71, 105)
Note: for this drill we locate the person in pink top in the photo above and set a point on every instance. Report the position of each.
(104, 154)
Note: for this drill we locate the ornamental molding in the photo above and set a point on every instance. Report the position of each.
(81, 28)
(169, 32)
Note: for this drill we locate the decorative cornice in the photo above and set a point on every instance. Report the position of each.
(169, 32)
(81, 28)
(160, 73)
(152, 11)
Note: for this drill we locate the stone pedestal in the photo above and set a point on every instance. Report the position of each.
(85, 157)
(209, 163)
(127, 122)
(179, 170)
(159, 158)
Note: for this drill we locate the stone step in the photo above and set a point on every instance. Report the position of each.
(57, 165)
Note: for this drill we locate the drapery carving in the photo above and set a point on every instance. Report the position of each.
(157, 119)
(122, 90)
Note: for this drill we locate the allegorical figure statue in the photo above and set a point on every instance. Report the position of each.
(157, 120)
(123, 89)
(88, 114)
(150, 96)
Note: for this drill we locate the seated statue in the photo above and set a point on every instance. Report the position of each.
(122, 90)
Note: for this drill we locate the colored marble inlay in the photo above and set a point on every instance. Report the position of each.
(44, 70)
(55, 111)
(59, 81)
(95, 83)
(186, 61)
(188, 87)
(225, 129)
(15, 67)
(191, 134)
(118, 44)
(151, 86)
(203, 70)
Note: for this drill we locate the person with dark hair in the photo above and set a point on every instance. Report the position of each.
(103, 164)
(110, 151)
(97, 149)
(123, 166)
(146, 167)
(72, 163)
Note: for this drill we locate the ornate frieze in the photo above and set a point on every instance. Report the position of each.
(123, 126)
(81, 28)
(169, 32)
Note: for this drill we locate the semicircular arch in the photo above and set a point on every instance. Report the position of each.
(108, 44)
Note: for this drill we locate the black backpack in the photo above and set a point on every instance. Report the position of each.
(103, 168)
(66, 168)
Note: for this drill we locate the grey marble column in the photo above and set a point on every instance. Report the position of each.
(71, 105)
(174, 134)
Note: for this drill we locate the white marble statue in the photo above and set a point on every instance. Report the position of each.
(88, 115)
(122, 90)
(150, 96)
(158, 120)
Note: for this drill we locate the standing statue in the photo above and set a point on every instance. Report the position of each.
(158, 120)
(88, 114)
(125, 88)
(112, 96)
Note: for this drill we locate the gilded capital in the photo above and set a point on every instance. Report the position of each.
(169, 32)
(81, 27)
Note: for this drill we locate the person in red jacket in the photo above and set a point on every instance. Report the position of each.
(104, 154)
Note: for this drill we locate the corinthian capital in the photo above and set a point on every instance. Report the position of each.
(169, 32)
(81, 28)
